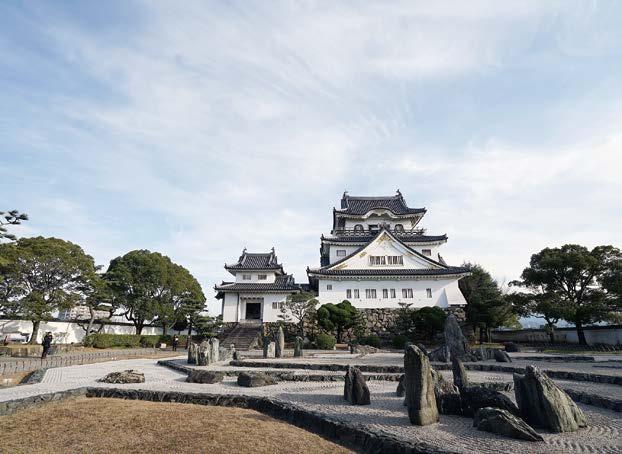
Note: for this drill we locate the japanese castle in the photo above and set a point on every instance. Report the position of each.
(376, 256)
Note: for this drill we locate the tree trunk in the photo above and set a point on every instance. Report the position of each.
(164, 329)
(35, 331)
(552, 333)
(339, 335)
(139, 328)
(91, 320)
(581, 334)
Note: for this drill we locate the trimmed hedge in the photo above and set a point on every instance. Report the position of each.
(325, 341)
(372, 341)
(129, 340)
(399, 341)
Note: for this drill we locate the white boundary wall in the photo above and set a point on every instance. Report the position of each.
(67, 332)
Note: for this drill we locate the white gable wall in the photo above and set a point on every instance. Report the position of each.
(385, 245)
(232, 312)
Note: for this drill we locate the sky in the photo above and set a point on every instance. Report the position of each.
(196, 129)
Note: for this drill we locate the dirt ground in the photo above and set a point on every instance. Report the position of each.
(115, 426)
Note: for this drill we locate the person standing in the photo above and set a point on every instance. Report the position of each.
(175, 342)
(47, 344)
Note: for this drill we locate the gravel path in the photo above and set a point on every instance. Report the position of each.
(385, 414)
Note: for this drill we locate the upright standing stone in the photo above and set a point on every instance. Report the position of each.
(191, 357)
(298, 346)
(213, 349)
(460, 375)
(271, 349)
(266, 346)
(454, 339)
(543, 404)
(355, 388)
(503, 422)
(203, 358)
(280, 343)
(419, 387)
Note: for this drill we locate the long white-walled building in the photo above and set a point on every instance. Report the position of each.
(377, 257)
(258, 291)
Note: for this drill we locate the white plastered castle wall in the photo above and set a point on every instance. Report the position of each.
(445, 292)
(234, 306)
(270, 277)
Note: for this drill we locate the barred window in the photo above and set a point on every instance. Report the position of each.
(246, 277)
(395, 260)
(385, 293)
(428, 292)
(370, 293)
(275, 305)
(329, 287)
(356, 293)
(377, 260)
(407, 293)
(349, 293)
(427, 252)
(392, 293)
(341, 252)
(262, 277)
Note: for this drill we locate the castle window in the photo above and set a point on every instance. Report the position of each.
(395, 260)
(377, 260)
(246, 277)
(341, 252)
(427, 252)
(275, 305)
(358, 228)
(262, 277)
(398, 228)
(392, 293)
(407, 293)
(385, 293)
(349, 293)
(428, 292)
(356, 293)
(370, 293)
(329, 287)
(373, 228)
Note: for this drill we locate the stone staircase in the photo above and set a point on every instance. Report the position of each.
(245, 335)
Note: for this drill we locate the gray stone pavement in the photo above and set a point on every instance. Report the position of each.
(386, 413)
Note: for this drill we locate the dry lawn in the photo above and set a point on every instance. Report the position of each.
(114, 425)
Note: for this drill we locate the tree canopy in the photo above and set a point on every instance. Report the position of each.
(150, 287)
(42, 275)
(487, 306)
(12, 217)
(338, 317)
(300, 308)
(580, 285)
(423, 323)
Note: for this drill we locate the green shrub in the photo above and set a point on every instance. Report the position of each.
(399, 341)
(112, 340)
(150, 341)
(372, 341)
(325, 341)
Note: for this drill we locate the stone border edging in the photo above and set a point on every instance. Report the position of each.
(354, 436)
(14, 366)
(287, 376)
(11, 406)
(34, 377)
(559, 374)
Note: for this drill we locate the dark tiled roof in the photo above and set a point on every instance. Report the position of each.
(256, 261)
(390, 272)
(282, 283)
(362, 205)
(406, 238)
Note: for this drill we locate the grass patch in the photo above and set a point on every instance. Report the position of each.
(115, 425)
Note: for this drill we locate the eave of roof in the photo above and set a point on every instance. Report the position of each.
(403, 238)
(392, 272)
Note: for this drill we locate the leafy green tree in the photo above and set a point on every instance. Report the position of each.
(338, 317)
(40, 276)
(299, 308)
(487, 306)
(423, 323)
(206, 325)
(538, 303)
(580, 282)
(12, 217)
(151, 288)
